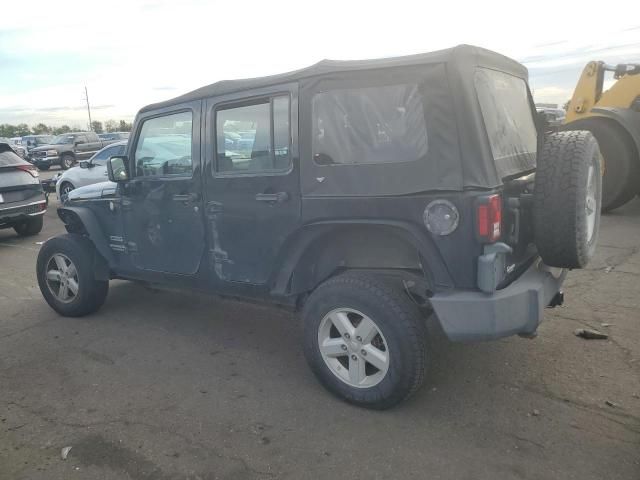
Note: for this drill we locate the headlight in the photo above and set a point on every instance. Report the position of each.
(441, 217)
(52, 153)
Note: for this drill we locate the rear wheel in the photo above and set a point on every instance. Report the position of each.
(65, 270)
(30, 227)
(365, 340)
(67, 161)
(621, 168)
(567, 199)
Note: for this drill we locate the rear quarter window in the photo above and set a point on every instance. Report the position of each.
(8, 156)
(508, 120)
(374, 125)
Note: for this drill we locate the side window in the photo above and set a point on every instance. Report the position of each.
(101, 157)
(164, 146)
(80, 139)
(254, 137)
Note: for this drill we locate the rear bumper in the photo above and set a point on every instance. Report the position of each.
(516, 309)
(17, 212)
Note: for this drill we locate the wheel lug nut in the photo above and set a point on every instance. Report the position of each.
(344, 347)
(363, 352)
(353, 357)
(347, 336)
(359, 338)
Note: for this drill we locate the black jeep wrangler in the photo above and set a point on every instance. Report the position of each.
(365, 194)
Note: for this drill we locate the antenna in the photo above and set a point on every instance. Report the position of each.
(86, 97)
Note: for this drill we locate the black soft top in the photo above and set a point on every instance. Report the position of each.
(461, 56)
(458, 156)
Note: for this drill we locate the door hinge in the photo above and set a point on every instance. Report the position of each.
(214, 208)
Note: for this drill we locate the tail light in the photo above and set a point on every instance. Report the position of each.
(489, 218)
(30, 169)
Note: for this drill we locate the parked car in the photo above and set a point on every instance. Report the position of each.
(113, 136)
(65, 150)
(89, 171)
(367, 195)
(554, 117)
(29, 142)
(8, 141)
(22, 201)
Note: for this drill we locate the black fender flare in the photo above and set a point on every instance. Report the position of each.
(303, 240)
(71, 217)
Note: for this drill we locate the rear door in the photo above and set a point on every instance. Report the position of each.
(252, 187)
(82, 147)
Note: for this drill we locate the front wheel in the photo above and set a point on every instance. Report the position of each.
(67, 161)
(65, 188)
(65, 271)
(365, 340)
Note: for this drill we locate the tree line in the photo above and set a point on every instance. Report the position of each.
(7, 130)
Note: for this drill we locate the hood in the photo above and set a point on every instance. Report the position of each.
(92, 192)
(44, 147)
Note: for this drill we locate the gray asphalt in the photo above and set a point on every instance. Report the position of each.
(164, 384)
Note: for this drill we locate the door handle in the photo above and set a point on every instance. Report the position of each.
(187, 197)
(272, 197)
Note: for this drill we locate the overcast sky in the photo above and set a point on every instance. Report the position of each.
(130, 53)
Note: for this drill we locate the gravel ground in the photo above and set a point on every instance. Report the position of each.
(163, 385)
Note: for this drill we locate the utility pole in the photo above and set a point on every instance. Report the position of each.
(86, 95)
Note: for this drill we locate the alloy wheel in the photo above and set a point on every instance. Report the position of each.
(591, 204)
(62, 278)
(353, 347)
(66, 188)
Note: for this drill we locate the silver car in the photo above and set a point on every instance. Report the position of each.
(89, 171)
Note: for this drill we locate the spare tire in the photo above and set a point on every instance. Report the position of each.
(567, 199)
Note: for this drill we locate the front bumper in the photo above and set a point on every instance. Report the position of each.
(16, 212)
(516, 309)
(49, 185)
(45, 161)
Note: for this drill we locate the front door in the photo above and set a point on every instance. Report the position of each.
(96, 170)
(162, 203)
(252, 188)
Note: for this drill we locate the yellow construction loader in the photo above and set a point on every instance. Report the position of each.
(613, 116)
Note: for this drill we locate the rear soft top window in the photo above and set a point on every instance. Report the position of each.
(382, 124)
(508, 119)
(8, 157)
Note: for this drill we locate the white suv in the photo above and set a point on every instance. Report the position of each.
(89, 171)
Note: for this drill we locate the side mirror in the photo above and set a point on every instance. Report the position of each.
(84, 164)
(118, 169)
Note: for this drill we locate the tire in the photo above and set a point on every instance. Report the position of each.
(566, 219)
(621, 168)
(402, 335)
(67, 161)
(90, 293)
(65, 188)
(30, 227)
